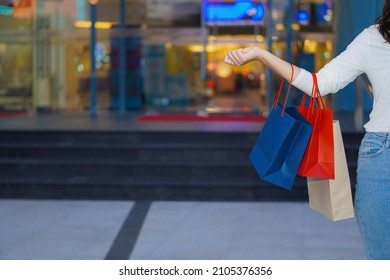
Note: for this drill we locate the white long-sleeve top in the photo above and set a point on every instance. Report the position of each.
(368, 53)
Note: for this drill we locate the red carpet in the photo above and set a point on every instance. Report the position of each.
(10, 114)
(196, 118)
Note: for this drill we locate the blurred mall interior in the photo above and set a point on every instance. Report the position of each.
(161, 184)
(172, 52)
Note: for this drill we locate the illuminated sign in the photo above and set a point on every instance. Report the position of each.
(325, 13)
(6, 10)
(240, 12)
(303, 17)
(315, 14)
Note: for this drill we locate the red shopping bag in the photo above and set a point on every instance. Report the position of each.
(318, 160)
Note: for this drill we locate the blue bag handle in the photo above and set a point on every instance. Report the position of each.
(288, 91)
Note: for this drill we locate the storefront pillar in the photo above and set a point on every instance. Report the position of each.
(204, 34)
(39, 7)
(269, 35)
(122, 58)
(289, 20)
(93, 90)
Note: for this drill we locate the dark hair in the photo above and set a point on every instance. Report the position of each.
(384, 21)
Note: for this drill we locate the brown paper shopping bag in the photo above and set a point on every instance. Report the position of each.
(333, 197)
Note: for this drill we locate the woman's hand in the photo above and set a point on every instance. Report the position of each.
(240, 57)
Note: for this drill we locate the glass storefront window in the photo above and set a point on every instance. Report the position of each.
(15, 62)
(15, 77)
(78, 98)
(171, 63)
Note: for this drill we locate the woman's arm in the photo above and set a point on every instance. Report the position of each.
(240, 57)
(334, 76)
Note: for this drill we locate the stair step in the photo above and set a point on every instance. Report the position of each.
(101, 171)
(234, 190)
(140, 165)
(130, 153)
(124, 138)
(152, 146)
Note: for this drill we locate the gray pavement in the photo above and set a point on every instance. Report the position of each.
(95, 230)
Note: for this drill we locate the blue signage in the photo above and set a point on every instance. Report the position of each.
(303, 17)
(234, 12)
(324, 13)
(6, 10)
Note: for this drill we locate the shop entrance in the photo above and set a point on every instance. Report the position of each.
(230, 89)
(225, 89)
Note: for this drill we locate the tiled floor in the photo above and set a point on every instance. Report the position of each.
(76, 230)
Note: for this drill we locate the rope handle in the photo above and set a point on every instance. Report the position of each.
(315, 96)
(315, 82)
(288, 91)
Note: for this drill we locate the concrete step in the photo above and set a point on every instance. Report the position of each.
(140, 165)
(248, 189)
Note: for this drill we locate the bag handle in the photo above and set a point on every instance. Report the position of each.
(315, 96)
(288, 91)
(318, 96)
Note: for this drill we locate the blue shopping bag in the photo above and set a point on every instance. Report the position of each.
(281, 144)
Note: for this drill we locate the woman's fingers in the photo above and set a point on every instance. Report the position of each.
(228, 59)
(234, 57)
(240, 57)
